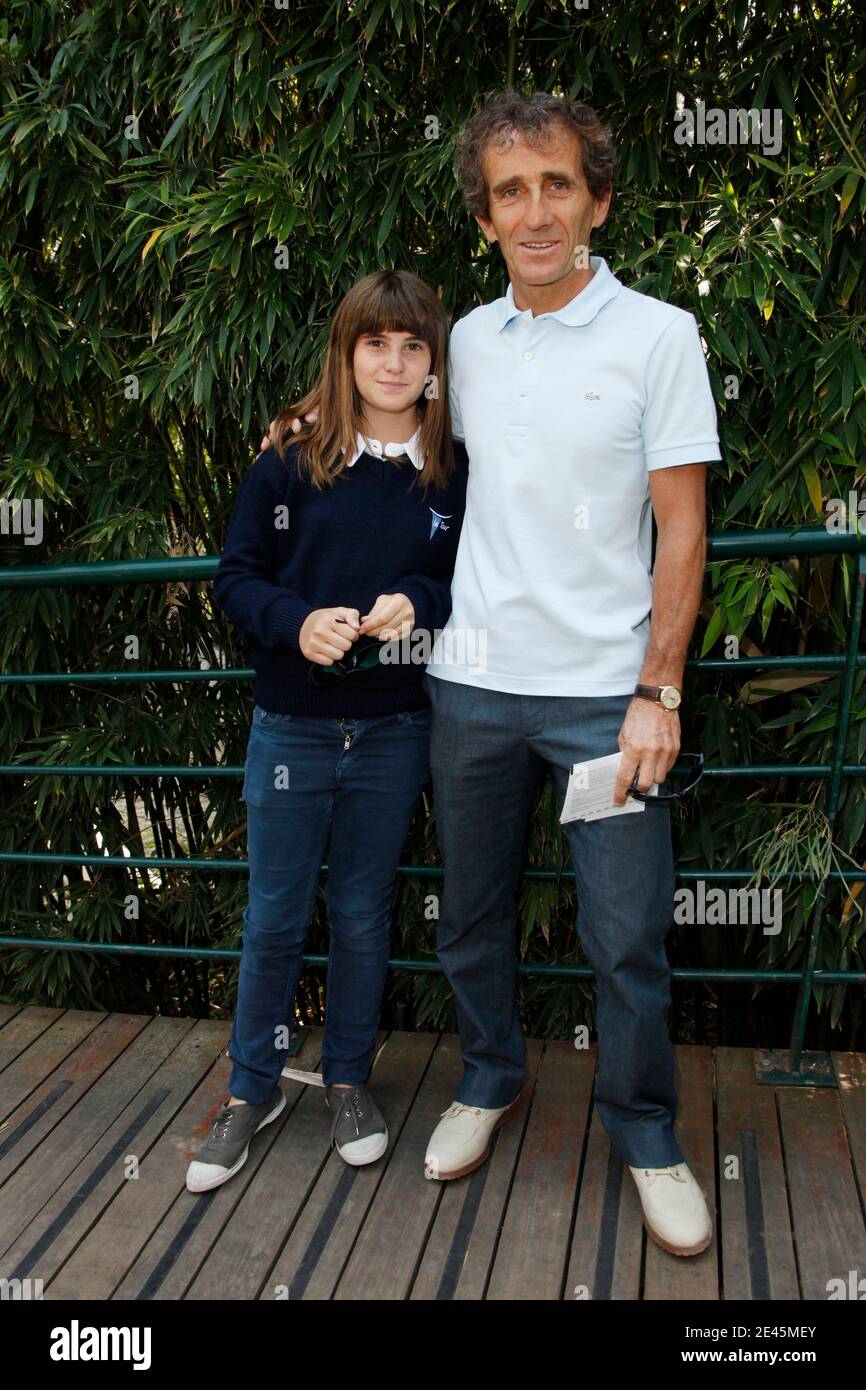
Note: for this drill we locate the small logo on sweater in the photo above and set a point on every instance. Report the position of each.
(437, 522)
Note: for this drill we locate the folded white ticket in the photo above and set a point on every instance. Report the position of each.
(589, 794)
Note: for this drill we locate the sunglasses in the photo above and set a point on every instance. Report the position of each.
(358, 659)
(695, 762)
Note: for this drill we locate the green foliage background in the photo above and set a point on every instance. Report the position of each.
(306, 125)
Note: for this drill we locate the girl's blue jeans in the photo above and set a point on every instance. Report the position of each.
(304, 788)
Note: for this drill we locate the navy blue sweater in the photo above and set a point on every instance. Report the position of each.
(372, 532)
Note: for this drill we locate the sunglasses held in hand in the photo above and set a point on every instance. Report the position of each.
(695, 762)
(360, 658)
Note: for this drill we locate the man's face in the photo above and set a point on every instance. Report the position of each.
(540, 209)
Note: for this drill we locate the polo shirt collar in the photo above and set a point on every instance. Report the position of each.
(582, 309)
(412, 448)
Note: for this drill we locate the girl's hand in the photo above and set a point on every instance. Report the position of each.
(392, 616)
(268, 439)
(328, 633)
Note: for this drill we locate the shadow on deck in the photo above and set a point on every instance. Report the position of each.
(87, 1097)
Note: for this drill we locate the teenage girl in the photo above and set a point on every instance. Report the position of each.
(341, 545)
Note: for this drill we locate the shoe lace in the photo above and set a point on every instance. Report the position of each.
(458, 1108)
(223, 1120)
(353, 1109)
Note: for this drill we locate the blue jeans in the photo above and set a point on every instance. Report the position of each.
(302, 787)
(488, 750)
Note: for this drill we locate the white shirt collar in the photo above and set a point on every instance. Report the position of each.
(580, 310)
(412, 448)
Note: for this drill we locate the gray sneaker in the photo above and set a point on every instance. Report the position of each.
(358, 1128)
(226, 1148)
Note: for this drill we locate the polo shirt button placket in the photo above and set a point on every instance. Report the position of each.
(516, 430)
(527, 356)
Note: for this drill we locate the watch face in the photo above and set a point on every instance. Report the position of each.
(669, 696)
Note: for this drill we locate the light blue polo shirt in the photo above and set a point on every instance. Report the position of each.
(565, 415)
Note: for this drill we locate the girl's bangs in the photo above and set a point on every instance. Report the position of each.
(388, 312)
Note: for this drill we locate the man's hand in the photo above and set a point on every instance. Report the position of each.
(328, 633)
(392, 616)
(649, 739)
(267, 440)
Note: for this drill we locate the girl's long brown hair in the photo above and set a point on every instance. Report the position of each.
(388, 301)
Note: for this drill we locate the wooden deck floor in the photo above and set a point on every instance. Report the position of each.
(553, 1215)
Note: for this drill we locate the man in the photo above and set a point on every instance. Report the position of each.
(586, 409)
(584, 406)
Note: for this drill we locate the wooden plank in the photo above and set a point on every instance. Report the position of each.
(607, 1243)
(462, 1241)
(758, 1259)
(669, 1276)
(825, 1205)
(76, 1171)
(8, 1012)
(193, 1225)
(851, 1074)
(23, 1024)
(530, 1261)
(67, 1079)
(396, 1221)
(101, 1259)
(22, 1033)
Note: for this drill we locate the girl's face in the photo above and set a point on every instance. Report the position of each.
(390, 371)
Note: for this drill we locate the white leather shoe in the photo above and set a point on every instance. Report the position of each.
(674, 1209)
(461, 1140)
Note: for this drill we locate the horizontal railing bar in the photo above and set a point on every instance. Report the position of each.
(208, 673)
(431, 966)
(786, 663)
(775, 543)
(100, 572)
(799, 771)
(221, 673)
(545, 875)
(721, 545)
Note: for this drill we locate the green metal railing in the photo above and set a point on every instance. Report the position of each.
(795, 1067)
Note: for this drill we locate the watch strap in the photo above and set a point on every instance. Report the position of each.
(654, 693)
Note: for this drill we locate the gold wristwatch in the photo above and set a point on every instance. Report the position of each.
(668, 696)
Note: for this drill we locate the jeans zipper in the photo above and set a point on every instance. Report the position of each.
(347, 737)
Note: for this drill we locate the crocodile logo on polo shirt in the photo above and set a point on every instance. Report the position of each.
(437, 522)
